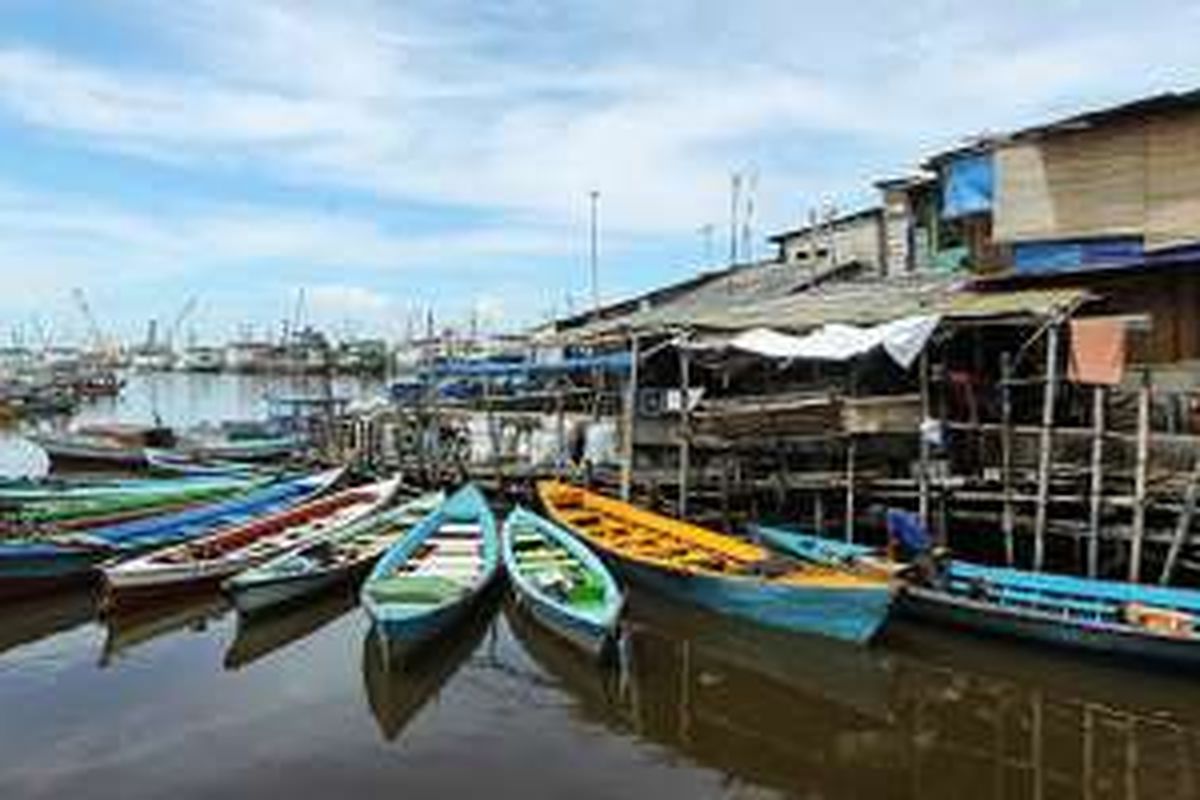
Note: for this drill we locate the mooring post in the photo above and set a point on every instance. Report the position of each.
(1139, 479)
(1045, 446)
(1008, 520)
(1097, 487)
(685, 433)
(631, 391)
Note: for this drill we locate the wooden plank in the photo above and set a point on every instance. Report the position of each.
(1096, 506)
(1045, 445)
(1139, 480)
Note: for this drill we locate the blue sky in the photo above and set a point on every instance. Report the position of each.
(394, 156)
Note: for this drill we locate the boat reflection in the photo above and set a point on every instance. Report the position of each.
(397, 689)
(263, 634)
(30, 619)
(925, 714)
(129, 629)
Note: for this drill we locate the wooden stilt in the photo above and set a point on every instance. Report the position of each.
(1007, 523)
(685, 434)
(1139, 480)
(851, 455)
(923, 467)
(1183, 526)
(1045, 446)
(818, 513)
(1097, 487)
(627, 442)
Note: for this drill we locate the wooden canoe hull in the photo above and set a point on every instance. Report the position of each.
(850, 614)
(404, 635)
(267, 595)
(1126, 643)
(593, 639)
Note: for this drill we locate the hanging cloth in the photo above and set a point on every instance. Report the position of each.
(1097, 351)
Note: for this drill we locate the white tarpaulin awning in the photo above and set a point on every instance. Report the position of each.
(902, 339)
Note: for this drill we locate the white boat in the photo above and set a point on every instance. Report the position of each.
(201, 564)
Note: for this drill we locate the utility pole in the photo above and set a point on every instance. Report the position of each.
(594, 197)
(735, 193)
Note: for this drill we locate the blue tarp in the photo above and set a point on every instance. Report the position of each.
(613, 362)
(967, 185)
(1080, 255)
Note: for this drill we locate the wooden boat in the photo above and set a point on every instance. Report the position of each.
(75, 449)
(720, 572)
(59, 489)
(336, 558)
(429, 579)
(830, 552)
(261, 635)
(561, 582)
(203, 563)
(128, 629)
(1111, 617)
(42, 560)
(172, 462)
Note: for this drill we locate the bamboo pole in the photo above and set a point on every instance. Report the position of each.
(1183, 527)
(1008, 518)
(851, 454)
(923, 476)
(630, 420)
(1139, 480)
(1044, 449)
(685, 434)
(1097, 487)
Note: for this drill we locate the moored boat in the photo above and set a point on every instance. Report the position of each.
(42, 559)
(564, 586)
(337, 558)
(429, 579)
(202, 563)
(1128, 620)
(720, 572)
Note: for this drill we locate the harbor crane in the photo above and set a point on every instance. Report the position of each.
(99, 340)
(180, 318)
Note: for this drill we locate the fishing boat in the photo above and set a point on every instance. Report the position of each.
(1112, 617)
(172, 462)
(720, 572)
(74, 449)
(335, 559)
(561, 582)
(429, 579)
(59, 488)
(203, 563)
(42, 559)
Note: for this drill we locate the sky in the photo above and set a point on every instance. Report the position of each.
(388, 158)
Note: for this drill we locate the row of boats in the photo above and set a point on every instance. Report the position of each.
(425, 559)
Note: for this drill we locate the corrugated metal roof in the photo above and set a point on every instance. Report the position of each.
(852, 302)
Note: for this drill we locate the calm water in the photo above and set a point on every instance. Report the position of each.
(187, 702)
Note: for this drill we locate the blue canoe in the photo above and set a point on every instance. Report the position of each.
(1112, 617)
(428, 580)
(562, 584)
(28, 564)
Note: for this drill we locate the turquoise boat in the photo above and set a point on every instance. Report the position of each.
(560, 582)
(32, 564)
(1128, 620)
(428, 580)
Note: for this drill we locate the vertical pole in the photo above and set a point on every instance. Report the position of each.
(1183, 525)
(560, 460)
(851, 454)
(1008, 520)
(1097, 487)
(1044, 448)
(923, 474)
(818, 513)
(685, 433)
(594, 241)
(630, 420)
(1139, 480)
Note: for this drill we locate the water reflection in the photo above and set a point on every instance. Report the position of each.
(27, 620)
(260, 635)
(397, 690)
(127, 630)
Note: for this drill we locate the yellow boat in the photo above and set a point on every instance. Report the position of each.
(721, 572)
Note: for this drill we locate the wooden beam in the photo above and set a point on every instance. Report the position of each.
(1045, 445)
(1097, 484)
(1139, 480)
(631, 391)
(1184, 525)
(1007, 520)
(923, 440)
